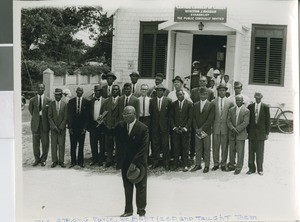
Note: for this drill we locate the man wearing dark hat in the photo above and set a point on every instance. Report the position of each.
(258, 131)
(133, 137)
(135, 86)
(77, 124)
(159, 78)
(97, 136)
(238, 87)
(57, 115)
(220, 128)
(128, 99)
(178, 84)
(160, 126)
(38, 108)
(107, 89)
(195, 93)
(203, 117)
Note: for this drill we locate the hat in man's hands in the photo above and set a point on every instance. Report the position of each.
(136, 174)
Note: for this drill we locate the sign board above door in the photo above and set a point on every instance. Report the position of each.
(200, 15)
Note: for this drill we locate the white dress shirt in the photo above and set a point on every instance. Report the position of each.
(147, 103)
(202, 104)
(97, 108)
(238, 109)
(42, 100)
(57, 106)
(159, 102)
(130, 126)
(126, 98)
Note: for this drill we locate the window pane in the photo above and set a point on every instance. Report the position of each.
(260, 59)
(147, 55)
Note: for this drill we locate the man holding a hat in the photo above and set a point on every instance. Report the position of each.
(133, 138)
(135, 86)
(107, 89)
(220, 129)
(178, 84)
(258, 131)
(57, 114)
(160, 126)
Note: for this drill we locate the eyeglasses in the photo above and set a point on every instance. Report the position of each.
(237, 87)
(202, 80)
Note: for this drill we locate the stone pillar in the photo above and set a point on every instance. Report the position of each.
(48, 78)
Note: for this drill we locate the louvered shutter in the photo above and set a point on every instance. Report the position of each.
(147, 55)
(161, 53)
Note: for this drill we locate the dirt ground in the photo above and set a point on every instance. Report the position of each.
(96, 193)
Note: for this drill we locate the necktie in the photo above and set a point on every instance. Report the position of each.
(179, 106)
(133, 88)
(40, 103)
(78, 105)
(114, 100)
(256, 113)
(221, 104)
(97, 99)
(126, 101)
(201, 106)
(128, 129)
(57, 108)
(159, 105)
(144, 100)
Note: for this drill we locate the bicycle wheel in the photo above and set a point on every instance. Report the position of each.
(285, 122)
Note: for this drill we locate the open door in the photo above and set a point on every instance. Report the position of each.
(183, 55)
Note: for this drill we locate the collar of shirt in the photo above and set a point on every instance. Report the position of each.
(159, 99)
(257, 105)
(203, 102)
(97, 99)
(131, 125)
(115, 97)
(128, 97)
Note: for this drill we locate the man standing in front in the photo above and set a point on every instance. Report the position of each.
(258, 131)
(220, 128)
(77, 124)
(134, 138)
(128, 99)
(38, 108)
(97, 136)
(181, 122)
(203, 117)
(237, 121)
(57, 115)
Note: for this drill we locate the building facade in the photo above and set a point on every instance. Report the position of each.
(253, 43)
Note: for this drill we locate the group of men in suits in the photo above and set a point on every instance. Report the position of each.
(180, 124)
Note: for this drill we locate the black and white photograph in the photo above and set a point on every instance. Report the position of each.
(156, 110)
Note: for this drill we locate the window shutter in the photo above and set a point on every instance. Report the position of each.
(260, 60)
(147, 55)
(161, 53)
(275, 65)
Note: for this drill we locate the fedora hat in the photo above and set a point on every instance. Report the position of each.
(97, 87)
(135, 74)
(58, 91)
(216, 72)
(222, 86)
(136, 174)
(177, 78)
(111, 74)
(160, 86)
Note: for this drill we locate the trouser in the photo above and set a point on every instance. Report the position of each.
(237, 147)
(97, 142)
(192, 143)
(147, 121)
(181, 142)
(141, 193)
(40, 136)
(200, 145)
(220, 140)
(256, 151)
(77, 138)
(58, 144)
(160, 142)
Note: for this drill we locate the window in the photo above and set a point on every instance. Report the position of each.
(268, 45)
(153, 49)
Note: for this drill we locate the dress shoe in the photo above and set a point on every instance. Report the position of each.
(206, 169)
(54, 164)
(154, 165)
(215, 168)
(174, 167)
(167, 167)
(93, 163)
(250, 172)
(230, 168)
(72, 165)
(261, 173)
(62, 165)
(142, 214)
(100, 164)
(43, 164)
(223, 168)
(185, 169)
(236, 172)
(81, 165)
(35, 163)
(108, 164)
(127, 214)
(196, 167)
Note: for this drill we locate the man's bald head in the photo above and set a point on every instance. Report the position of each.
(129, 114)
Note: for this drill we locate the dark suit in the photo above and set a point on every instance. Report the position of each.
(237, 142)
(39, 127)
(58, 120)
(97, 136)
(133, 101)
(257, 134)
(137, 90)
(203, 121)
(104, 92)
(112, 118)
(77, 122)
(134, 150)
(152, 93)
(160, 127)
(181, 118)
(195, 94)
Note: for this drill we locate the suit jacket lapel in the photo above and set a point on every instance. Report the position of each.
(133, 129)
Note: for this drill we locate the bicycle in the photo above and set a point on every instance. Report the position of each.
(283, 119)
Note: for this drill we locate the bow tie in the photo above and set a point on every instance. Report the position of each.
(97, 99)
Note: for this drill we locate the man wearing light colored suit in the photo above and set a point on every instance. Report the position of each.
(203, 117)
(181, 122)
(160, 125)
(237, 121)
(220, 128)
(57, 114)
(38, 108)
(258, 131)
(128, 99)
